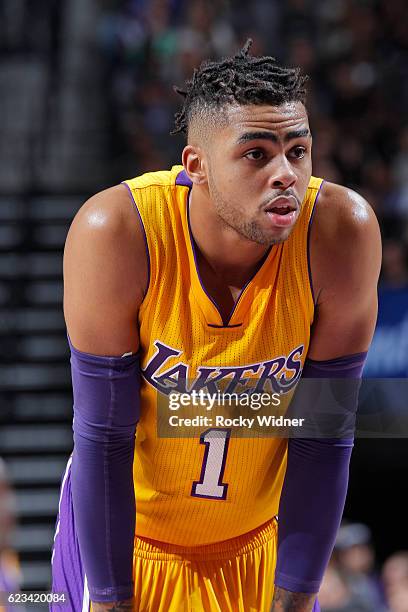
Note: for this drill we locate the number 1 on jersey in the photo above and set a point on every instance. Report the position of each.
(210, 484)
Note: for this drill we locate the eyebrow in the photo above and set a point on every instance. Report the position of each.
(271, 136)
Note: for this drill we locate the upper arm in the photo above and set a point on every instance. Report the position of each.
(345, 252)
(105, 275)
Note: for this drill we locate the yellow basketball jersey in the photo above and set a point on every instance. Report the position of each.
(215, 486)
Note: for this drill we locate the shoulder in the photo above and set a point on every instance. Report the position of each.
(340, 209)
(106, 231)
(345, 240)
(109, 219)
(105, 274)
(108, 212)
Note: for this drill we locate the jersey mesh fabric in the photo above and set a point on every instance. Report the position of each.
(181, 334)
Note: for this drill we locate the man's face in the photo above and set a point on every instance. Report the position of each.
(258, 169)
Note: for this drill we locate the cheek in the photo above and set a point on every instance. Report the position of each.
(309, 165)
(304, 174)
(229, 184)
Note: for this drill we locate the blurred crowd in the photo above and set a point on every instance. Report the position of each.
(354, 583)
(355, 52)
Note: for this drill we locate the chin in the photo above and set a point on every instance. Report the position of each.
(280, 237)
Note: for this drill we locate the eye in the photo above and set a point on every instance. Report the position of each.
(255, 155)
(298, 152)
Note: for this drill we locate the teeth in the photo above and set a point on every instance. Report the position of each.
(280, 210)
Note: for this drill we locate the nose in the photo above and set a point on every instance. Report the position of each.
(282, 175)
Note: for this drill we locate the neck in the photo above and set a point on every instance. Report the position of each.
(224, 250)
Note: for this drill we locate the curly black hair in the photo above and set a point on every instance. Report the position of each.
(242, 79)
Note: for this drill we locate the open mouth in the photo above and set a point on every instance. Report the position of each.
(281, 206)
(282, 211)
(279, 210)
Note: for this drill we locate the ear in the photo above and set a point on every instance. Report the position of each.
(194, 164)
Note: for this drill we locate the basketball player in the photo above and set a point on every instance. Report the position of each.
(237, 264)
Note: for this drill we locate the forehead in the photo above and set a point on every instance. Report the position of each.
(278, 119)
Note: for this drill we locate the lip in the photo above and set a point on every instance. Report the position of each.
(282, 202)
(277, 221)
(281, 221)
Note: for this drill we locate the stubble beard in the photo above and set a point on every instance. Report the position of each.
(233, 219)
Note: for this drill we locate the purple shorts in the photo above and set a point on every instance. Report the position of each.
(68, 576)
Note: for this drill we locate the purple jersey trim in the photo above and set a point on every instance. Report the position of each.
(229, 317)
(308, 242)
(144, 236)
(183, 179)
(224, 326)
(193, 247)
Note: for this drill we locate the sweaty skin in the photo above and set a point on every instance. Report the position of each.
(257, 155)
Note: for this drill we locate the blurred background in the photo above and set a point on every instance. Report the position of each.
(86, 100)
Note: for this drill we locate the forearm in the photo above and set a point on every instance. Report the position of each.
(106, 396)
(286, 601)
(315, 485)
(310, 511)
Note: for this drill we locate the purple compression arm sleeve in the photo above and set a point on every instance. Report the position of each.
(106, 411)
(314, 492)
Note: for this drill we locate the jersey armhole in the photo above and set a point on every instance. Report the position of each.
(309, 229)
(147, 288)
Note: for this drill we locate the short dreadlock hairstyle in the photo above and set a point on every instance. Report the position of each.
(241, 79)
